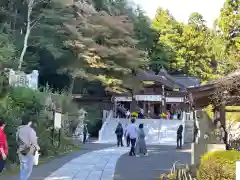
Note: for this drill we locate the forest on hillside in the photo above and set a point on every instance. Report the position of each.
(94, 46)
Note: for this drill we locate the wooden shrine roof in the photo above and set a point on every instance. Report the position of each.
(200, 96)
(171, 79)
(160, 79)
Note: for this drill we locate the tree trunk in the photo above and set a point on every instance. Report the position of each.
(28, 31)
(133, 105)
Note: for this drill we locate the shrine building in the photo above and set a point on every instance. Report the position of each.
(161, 93)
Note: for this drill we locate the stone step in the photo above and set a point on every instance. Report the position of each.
(157, 131)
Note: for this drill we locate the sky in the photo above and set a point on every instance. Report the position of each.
(181, 9)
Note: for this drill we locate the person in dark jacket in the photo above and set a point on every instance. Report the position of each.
(179, 136)
(119, 134)
(85, 133)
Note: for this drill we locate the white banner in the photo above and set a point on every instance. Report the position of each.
(122, 98)
(148, 97)
(174, 99)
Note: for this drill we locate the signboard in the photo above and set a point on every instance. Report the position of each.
(148, 82)
(23, 80)
(123, 98)
(148, 97)
(174, 99)
(216, 147)
(238, 170)
(57, 120)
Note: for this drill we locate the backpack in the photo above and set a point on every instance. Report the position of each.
(118, 130)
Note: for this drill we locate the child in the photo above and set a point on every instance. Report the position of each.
(141, 147)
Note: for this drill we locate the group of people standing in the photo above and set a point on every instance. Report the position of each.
(134, 136)
(27, 144)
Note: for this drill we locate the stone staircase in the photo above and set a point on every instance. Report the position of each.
(107, 132)
(158, 131)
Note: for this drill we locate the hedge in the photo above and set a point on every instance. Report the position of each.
(218, 165)
(16, 102)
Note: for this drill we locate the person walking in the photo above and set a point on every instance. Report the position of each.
(27, 147)
(127, 137)
(3, 145)
(179, 136)
(119, 134)
(141, 114)
(128, 114)
(85, 133)
(141, 147)
(132, 132)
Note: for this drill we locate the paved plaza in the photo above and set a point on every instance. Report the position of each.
(160, 160)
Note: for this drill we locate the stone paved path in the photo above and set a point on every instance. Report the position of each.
(159, 160)
(105, 162)
(96, 165)
(45, 170)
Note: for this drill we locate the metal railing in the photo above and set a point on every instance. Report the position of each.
(181, 171)
(100, 133)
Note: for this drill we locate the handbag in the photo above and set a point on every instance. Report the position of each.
(25, 151)
(36, 158)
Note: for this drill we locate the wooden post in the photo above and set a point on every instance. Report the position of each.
(149, 110)
(144, 107)
(222, 110)
(223, 115)
(53, 109)
(115, 108)
(163, 100)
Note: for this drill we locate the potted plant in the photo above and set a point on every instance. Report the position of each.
(134, 114)
(163, 115)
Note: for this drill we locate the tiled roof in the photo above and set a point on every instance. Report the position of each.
(160, 78)
(170, 78)
(187, 81)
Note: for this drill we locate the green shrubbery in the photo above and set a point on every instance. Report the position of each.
(219, 165)
(21, 101)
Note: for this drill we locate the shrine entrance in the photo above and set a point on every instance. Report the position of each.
(152, 105)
